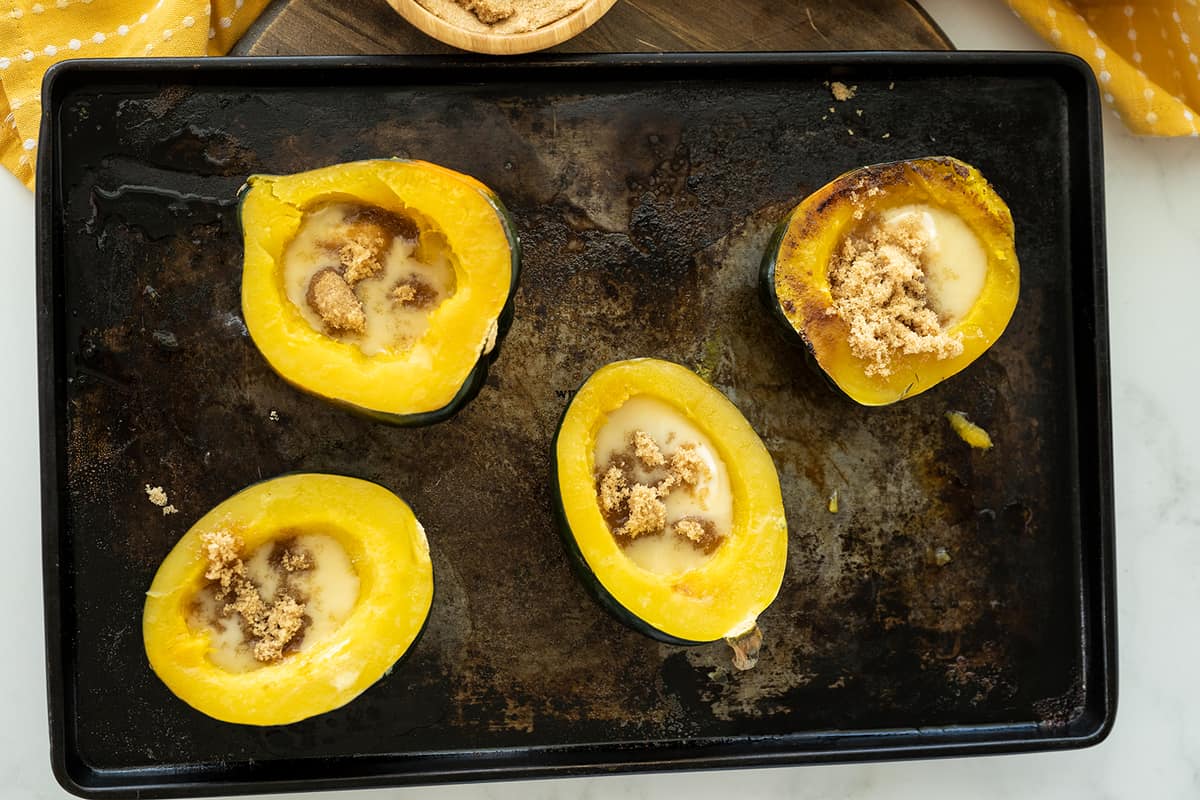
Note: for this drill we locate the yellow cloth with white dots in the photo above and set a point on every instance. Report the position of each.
(1146, 55)
(35, 35)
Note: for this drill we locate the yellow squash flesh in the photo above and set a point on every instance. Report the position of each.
(724, 596)
(462, 330)
(390, 555)
(813, 232)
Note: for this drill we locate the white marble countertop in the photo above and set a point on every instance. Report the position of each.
(1153, 198)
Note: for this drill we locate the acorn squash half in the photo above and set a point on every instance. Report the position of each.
(445, 368)
(795, 285)
(385, 548)
(722, 597)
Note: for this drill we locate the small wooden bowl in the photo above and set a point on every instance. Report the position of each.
(502, 44)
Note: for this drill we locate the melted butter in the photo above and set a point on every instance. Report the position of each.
(329, 591)
(665, 554)
(955, 263)
(390, 326)
(712, 498)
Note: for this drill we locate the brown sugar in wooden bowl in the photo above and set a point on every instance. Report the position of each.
(502, 44)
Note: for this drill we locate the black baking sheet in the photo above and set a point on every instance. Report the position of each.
(644, 190)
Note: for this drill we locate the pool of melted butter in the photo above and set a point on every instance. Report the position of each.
(954, 262)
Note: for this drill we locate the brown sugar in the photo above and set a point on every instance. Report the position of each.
(284, 620)
(391, 224)
(359, 261)
(413, 292)
(688, 466)
(646, 449)
(271, 627)
(614, 490)
(489, 12)
(878, 290)
(363, 240)
(157, 496)
(689, 529)
(841, 92)
(647, 513)
(331, 297)
(296, 560)
(701, 533)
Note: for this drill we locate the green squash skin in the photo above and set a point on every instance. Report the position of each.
(766, 293)
(583, 571)
(766, 283)
(477, 377)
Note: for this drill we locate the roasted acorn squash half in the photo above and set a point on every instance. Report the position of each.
(795, 282)
(364, 599)
(725, 578)
(420, 380)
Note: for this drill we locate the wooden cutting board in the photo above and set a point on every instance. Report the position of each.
(371, 27)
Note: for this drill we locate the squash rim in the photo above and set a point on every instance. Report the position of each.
(382, 386)
(808, 234)
(390, 553)
(724, 596)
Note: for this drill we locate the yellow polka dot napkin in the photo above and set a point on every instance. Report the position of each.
(35, 35)
(1146, 55)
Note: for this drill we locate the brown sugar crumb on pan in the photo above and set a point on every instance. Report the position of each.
(271, 627)
(158, 496)
(331, 297)
(879, 291)
(841, 92)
